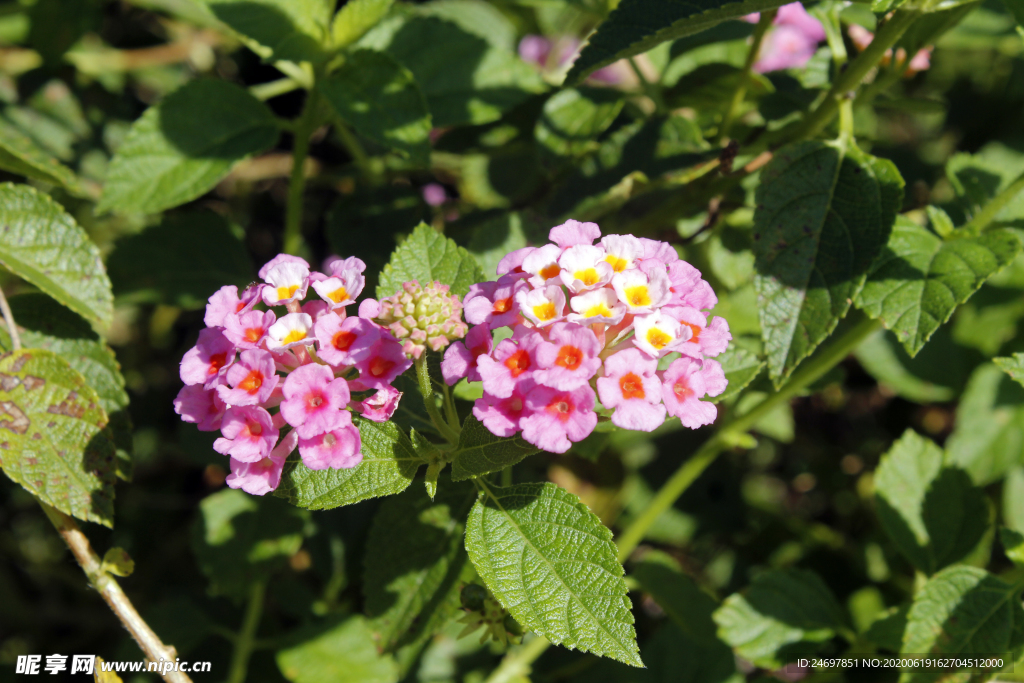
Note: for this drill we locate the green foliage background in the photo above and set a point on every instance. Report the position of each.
(862, 492)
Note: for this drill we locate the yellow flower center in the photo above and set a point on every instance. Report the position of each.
(618, 264)
(294, 336)
(597, 310)
(340, 294)
(588, 277)
(638, 296)
(544, 311)
(657, 338)
(286, 292)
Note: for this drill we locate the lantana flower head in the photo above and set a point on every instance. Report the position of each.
(593, 317)
(275, 371)
(423, 317)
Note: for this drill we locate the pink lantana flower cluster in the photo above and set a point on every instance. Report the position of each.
(590, 322)
(257, 371)
(791, 41)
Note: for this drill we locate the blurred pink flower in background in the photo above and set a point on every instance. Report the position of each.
(434, 194)
(792, 40)
(551, 55)
(862, 37)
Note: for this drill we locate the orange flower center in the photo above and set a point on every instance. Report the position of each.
(255, 429)
(342, 340)
(380, 366)
(253, 334)
(252, 382)
(503, 305)
(569, 357)
(548, 272)
(696, 332)
(560, 408)
(217, 361)
(631, 385)
(681, 389)
(518, 362)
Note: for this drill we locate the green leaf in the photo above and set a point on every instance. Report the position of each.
(388, 467)
(45, 324)
(926, 378)
(426, 255)
(919, 279)
(1013, 545)
(480, 451)
(824, 211)
(671, 657)
(676, 593)
(380, 99)
(180, 262)
(887, 630)
(741, 368)
(183, 146)
(413, 563)
(20, 155)
(782, 614)
(1012, 365)
(636, 26)
(355, 18)
(43, 245)
(341, 653)
(552, 564)
(293, 30)
(52, 437)
(465, 78)
(241, 539)
(961, 611)
(977, 178)
(933, 513)
(989, 436)
(117, 561)
(494, 238)
(572, 119)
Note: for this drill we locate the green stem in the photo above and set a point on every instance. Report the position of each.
(427, 392)
(650, 89)
(857, 70)
(517, 664)
(449, 409)
(727, 435)
(108, 588)
(293, 242)
(740, 93)
(246, 640)
(266, 91)
(12, 327)
(354, 147)
(978, 224)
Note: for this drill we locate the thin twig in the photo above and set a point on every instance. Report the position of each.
(104, 583)
(12, 328)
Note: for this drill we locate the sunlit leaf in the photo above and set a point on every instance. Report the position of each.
(824, 212)
(42, 244)
(552, 564)
(183, 146)
(52, 436)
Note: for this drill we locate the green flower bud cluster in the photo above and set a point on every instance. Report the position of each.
(423, 317)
